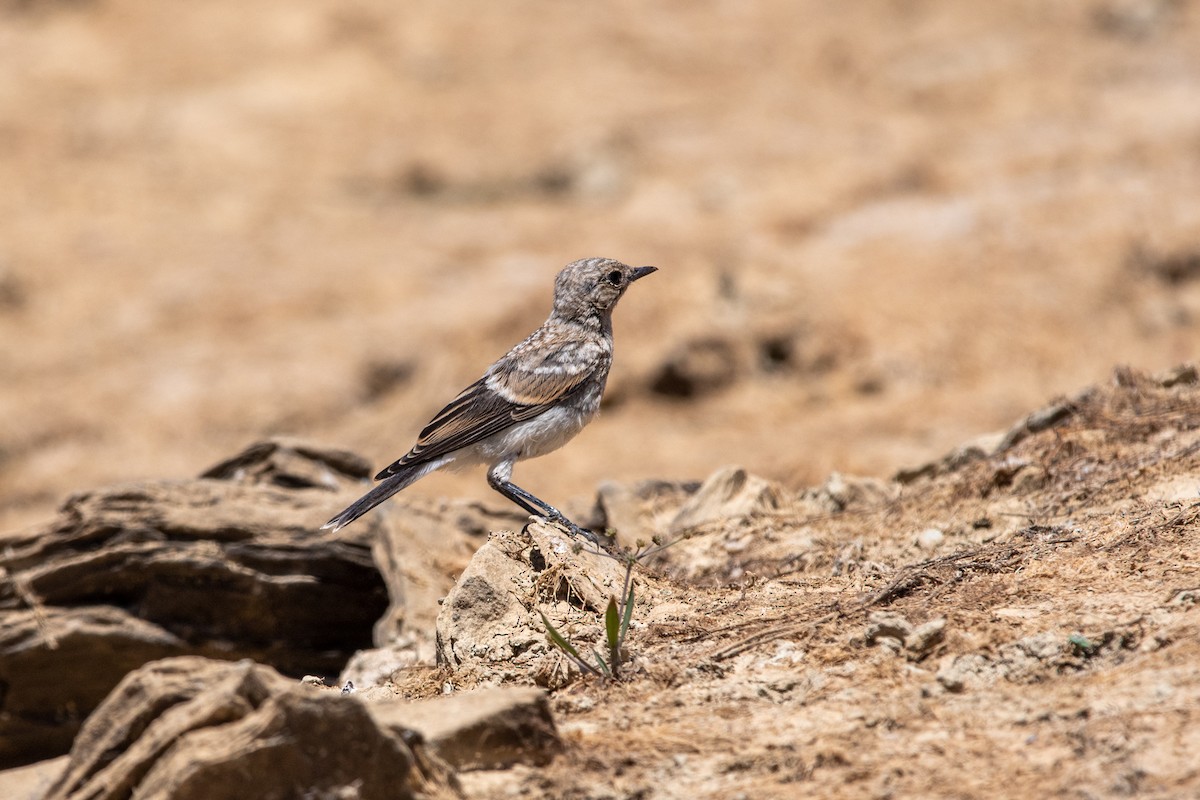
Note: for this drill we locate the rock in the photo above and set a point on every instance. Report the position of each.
(728, 494)
(959, 671)
(930, 539)
(214, 563)
(1182, 375)
(490, 628)
(216, 567)
(968, 453)
(923, 638)
(698, 367)
(32, 781)
(840, 492)
(995, 444)
(419, 548)
(483, 619)
(1040, 420)
(887, 628)
(56, 665)
(490, 728)
(189, 727)
(376, 666)
(896, 633)
(292, 464)
(907, 475)
(635, 514)
(727, 523)
(621, 511)
(974, 450)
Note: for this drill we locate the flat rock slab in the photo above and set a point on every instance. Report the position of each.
(491, 728)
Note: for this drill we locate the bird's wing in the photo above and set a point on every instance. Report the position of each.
(533, 378)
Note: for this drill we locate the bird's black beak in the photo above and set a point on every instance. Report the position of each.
(641, 272)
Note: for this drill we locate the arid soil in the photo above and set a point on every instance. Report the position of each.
(1040, 640)
(883, 229)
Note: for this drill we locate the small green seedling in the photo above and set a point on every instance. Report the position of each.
(616, 626)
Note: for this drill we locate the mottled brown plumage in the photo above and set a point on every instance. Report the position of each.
(530, 402)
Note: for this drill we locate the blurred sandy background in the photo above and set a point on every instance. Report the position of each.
(883, 227)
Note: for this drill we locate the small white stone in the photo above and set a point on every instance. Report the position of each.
(930, 538)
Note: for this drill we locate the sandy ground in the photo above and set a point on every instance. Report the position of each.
(882, 228)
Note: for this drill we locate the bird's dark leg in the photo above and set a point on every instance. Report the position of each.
(536, 505)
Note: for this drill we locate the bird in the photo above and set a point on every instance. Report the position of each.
(530, 402)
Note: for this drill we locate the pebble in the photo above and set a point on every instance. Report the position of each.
(930, 538)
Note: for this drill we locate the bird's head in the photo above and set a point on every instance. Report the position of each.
(592, 286)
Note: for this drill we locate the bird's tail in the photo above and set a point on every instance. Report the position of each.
(386, 488)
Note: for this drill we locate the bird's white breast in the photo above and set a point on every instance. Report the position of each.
(544, 433)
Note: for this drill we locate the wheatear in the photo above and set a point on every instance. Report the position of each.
(530, 402)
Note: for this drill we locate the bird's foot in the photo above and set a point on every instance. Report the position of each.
(573, 529)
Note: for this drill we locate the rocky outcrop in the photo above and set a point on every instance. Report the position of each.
(229, 566)
(490, 628)
(420, 551)
(189, 727)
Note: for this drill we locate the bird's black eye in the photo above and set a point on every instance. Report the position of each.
(614, 277)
